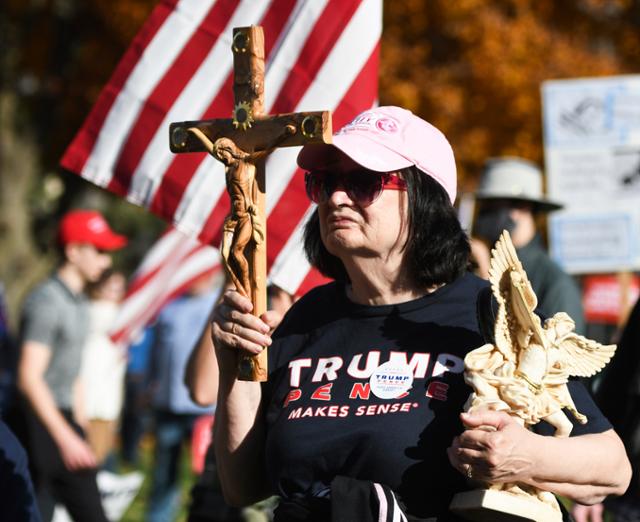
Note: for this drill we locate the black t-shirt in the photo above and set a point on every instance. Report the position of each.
(332, 366)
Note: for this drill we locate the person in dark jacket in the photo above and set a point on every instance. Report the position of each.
(510, 197)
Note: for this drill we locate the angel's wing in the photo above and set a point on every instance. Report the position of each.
(579, 357)
(515, 297)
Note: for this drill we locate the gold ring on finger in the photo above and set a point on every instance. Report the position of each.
(469, 471)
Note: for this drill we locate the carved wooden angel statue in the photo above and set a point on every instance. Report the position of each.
(526, 371)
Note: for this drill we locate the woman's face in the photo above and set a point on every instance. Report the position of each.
(375, 231)
(114, 288)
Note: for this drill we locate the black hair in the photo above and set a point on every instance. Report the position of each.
(437, 249)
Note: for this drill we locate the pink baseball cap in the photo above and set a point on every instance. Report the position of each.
(389, 138)
(89, 226)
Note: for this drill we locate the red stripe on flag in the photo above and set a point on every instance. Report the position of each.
(289, 210)
(183, 167)
(80, 148)
(167, 90)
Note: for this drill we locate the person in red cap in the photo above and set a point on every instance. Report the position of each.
(361, 416)
(53, 330)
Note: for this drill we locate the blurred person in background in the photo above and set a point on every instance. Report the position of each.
(136, 411)
(14, 466)
(53, 332)
(510, 197)
(176, 333)
(19, 500)
(201, 377)
(103, 365)
(618, 396)
(8, 357)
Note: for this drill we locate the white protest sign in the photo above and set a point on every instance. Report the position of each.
(592, 159)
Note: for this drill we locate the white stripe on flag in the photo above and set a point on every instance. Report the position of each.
(291, 266)
(284, 57)
(154, 288)
(281, 166)
(196, 264)
(156, 59)
(347, 58)
(194, 209)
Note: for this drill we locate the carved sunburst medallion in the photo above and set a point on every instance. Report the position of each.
(242, 116)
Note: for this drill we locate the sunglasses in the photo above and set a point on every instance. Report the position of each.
(362, 186)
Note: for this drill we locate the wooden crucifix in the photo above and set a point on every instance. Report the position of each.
(241, 143)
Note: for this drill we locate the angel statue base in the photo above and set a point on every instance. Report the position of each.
(524, 373)
(491, 505)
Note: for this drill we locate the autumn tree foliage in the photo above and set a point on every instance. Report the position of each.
(56, 56)
(474, 68)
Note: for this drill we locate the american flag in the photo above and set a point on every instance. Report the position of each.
(320, 55)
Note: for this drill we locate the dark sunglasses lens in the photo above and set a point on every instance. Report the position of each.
(364, 187)
(316, 186)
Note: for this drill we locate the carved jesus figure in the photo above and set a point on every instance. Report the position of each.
(241, 225)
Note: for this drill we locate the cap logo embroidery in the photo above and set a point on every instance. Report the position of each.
(387, 125)
(96, 225)
(371, 121)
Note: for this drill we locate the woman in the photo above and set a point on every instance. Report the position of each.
(103, 365)
(366, 388)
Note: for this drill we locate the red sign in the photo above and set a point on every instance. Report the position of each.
(603, 298)
(200, 441)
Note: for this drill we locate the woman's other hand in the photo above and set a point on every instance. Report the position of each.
(493, 448)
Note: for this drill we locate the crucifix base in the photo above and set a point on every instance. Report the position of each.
(490, 505)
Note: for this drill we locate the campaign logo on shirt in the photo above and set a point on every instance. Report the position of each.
(391, 380)
(398, 380)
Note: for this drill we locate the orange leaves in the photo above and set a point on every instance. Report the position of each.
(474, 68)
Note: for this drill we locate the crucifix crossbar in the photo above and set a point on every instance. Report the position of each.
(242, 143)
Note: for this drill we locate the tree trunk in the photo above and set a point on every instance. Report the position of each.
(21, 264)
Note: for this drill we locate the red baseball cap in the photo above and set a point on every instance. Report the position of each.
(89, 226)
